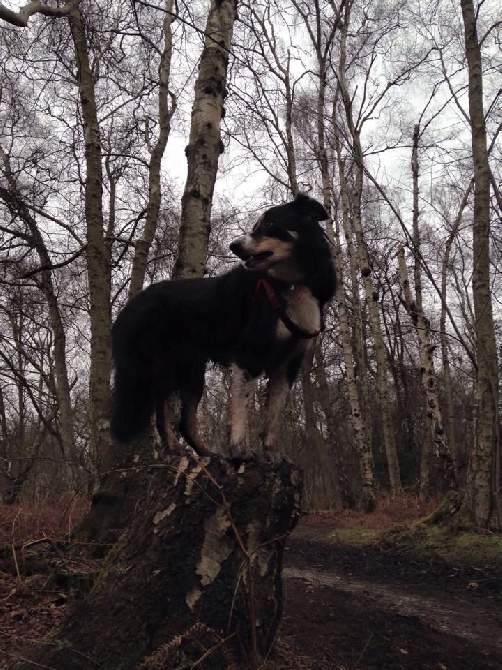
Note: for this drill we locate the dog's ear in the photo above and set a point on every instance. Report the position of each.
(310, 207)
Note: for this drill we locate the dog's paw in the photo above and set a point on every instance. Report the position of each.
(175, 450)
(242, 454)
(276, 459)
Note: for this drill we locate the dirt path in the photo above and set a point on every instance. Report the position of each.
(363, 608)
(477, 623)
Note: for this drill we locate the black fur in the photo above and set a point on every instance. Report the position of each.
(163, 338)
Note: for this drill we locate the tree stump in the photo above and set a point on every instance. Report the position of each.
(196, 575)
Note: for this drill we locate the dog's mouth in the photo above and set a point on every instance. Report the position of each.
(254, 260)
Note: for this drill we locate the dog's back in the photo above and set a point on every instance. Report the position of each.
(164, 336)
(261, 317)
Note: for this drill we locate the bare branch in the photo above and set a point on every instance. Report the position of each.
(21, 17)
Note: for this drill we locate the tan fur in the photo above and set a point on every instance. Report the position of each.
(241, 387)
(303, 309)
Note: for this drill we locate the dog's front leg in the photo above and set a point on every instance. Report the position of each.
(279, 385)
(241, 387)
(277, 393)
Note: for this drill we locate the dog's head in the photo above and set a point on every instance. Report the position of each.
(287, 242)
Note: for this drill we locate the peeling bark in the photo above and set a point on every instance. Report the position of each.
(433, 413)
(202, 558)
(205, 145)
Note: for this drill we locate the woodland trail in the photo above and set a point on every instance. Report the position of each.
(365, 607)
(479, 623)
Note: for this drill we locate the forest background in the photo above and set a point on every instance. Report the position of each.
(389, 112)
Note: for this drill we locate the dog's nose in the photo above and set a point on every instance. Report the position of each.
(237, 246)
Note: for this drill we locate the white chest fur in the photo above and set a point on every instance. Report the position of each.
(303, 310)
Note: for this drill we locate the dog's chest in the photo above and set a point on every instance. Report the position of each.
(303, 310)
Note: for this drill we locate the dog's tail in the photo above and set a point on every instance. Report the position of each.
(133, 394)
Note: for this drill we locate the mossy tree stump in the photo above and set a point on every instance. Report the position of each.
(196, 574)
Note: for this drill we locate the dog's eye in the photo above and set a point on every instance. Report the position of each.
(262, 227)
(266, 228)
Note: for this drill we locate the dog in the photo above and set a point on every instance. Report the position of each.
(261, 317)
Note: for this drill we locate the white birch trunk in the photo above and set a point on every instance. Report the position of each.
(165, 112)
(479, 501)
(205, 145)
(429, 381)
(97, 254)
(365, 270)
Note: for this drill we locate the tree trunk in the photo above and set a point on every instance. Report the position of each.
(414, 307)
(445, 358)
(165, 112)
(358, 415)
(480, 486)
(14, 200)
(322, 43)
(365, 270)
(97, 254)
(205, 145)
(197, 572)
(355, 360)
(319, 470)
(429, 383)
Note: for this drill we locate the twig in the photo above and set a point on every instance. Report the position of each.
(14, 556)
(13, 547)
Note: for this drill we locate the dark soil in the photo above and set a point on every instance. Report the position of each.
(372, 608)
(346, 607)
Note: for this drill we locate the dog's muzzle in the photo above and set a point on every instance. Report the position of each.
(239, 248)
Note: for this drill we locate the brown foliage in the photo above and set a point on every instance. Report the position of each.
(26, 523)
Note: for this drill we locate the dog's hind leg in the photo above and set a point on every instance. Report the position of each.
(190, 393)
(165, 427)
(241, 387)
(188, 423)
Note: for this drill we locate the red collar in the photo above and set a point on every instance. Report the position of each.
(278, 307)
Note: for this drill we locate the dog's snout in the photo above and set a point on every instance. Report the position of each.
(237, 247)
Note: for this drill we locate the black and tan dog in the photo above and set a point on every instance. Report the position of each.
(259, 318)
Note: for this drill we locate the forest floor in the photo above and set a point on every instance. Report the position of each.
(373, 605)
(355, 597)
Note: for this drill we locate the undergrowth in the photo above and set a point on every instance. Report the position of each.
(28, 522)
(402, 524)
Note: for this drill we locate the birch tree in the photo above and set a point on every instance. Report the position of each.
(479, 501)
(32, 237)
(355, 121)
(112, 93)
(205, 144)
(322, 24)
(166, 107)
(414, 307)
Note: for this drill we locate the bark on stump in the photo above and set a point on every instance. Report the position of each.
(197, 572)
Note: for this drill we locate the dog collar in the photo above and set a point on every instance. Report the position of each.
(278, 307)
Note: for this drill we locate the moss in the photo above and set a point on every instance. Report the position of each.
(473, 547)
(424, 539)
(77, 583)
(113, 563)
(355, 536)
(464, 547)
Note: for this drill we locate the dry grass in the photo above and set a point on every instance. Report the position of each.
(389, 513)
(25, 523)
(28, 522)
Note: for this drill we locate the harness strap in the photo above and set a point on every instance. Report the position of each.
(278, 307)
